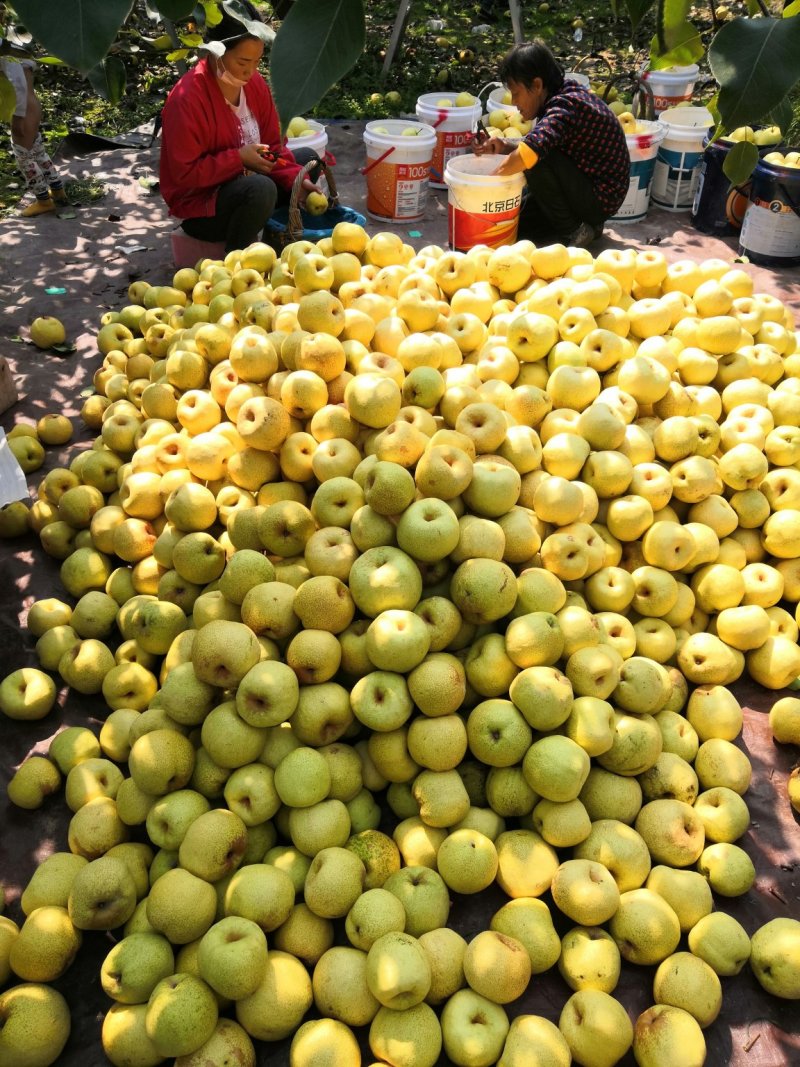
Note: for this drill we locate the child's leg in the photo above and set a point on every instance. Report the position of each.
(29, 151)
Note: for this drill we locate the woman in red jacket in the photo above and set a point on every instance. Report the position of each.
(219, 121)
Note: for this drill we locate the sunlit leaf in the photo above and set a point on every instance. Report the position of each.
(238, 11)
(213, 13)
(677, 41)
(178, 54)
(318, 43)
(740, 162)
(108, 79)
(755, 63)
(792, 10)
(8, 99)
(191, 40)
(78, 31)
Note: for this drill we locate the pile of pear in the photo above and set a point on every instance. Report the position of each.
(401, 574)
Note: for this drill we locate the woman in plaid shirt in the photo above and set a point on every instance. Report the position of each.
(575, 159)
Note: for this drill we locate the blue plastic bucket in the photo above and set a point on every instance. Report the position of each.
(643, 149)
(676, 173)
(771, 228)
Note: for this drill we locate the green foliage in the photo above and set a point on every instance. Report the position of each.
(755, 62)
(78, 31)
(637, 9)
(318, 43)
(8, 99)
(740, 162)
(677, 42)
(109, 78)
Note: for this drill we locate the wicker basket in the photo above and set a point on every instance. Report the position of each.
(294, 227)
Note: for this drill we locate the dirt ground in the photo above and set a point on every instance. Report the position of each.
(90, 256)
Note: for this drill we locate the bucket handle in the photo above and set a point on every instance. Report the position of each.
(388, 152)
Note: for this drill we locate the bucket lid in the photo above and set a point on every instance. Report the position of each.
(652, 134)
(432, 102)
(687, 117)
(687, 73)
(388, 132)
(480, 170)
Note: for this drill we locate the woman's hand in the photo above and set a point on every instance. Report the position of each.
(253, 159)
(492, 146)
(307, 187)
(512, 164)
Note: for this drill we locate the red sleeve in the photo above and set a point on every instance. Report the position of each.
(285, 172)
(185, 143)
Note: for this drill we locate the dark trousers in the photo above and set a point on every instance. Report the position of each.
(244, 205)
(558, 198)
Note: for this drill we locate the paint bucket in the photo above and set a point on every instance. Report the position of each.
(671, 86)
(397, 169)
(495, 101)
(482, 207)
(643, 149)
(316, 138)
(453, 126)
(676, 172)
(719, 207)
(771, 228)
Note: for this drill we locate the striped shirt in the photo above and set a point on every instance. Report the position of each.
(583, 127)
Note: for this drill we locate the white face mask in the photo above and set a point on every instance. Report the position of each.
(227, 78)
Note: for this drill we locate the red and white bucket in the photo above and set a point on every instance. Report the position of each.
(482, 207)
(454, 127)
(397, 170)
(671, 86)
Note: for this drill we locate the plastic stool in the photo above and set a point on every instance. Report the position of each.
(186, 250)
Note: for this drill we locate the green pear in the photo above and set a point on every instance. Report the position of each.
(398, 971)
(71, 746)
(213, 845)
(261, 892)
(9, 932)
(341, 989)
(181, 906)
(664, 1035)
(171, 816)
(35, 1025)
(46, 946)
(233, 957)
(532, 1038)
(278, 1005)
(528, 920)
(687, 893)
(775, 957)
(424, 895)
(685, 981)
(124, 1037)
(304, 935)
(33, 782)
(596, 1028)
(102, 896)
(645, 927)
(51, 881)
(181, 1015)
(27, 694)
(229, 1044)
(135, 966)
(497, 966)
(161, 762)
(322, 1041)
(589, 959)
(445, 950)
(585, 892)
(556, 768)
(334, 882)
(474, 1029)
(410, 1038)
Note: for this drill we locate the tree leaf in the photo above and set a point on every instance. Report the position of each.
(175, 10)
(78, 31)
(238, 11)
(782, 115)
(637, 9)
(677, 41)
(317, 44)
(109, 78)
(740, 162)
(191, 40)
(755, 63)
(8, 99)
(792, 10)
(178, 54)
(213, 13)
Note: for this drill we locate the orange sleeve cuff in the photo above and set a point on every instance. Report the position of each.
(529, 157)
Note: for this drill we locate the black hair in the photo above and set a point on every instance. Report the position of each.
(231, 30)
(528, 61)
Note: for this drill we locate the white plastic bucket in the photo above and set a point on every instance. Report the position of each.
(643, 149)
(495, 101)
(453, 126)
(397, 169)
(316, 138)
(671, 86)
(677, 171)
(581, 79)
(482, 207)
